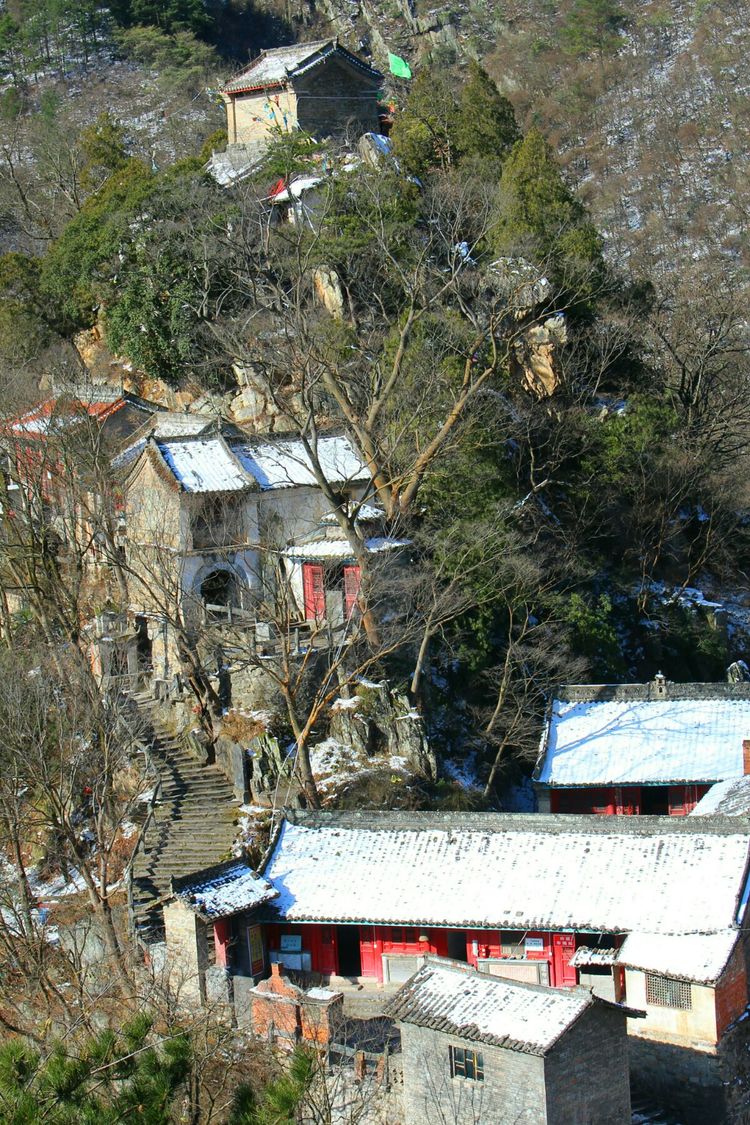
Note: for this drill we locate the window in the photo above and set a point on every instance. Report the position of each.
(466, 1064)
(667, 993)
(397, 935)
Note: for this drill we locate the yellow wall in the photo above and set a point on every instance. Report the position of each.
(250, 116)
(696, 1026)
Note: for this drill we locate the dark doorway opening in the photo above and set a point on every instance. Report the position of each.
(350, 959)
(143, 645)
(457, 945)
(217, 588)
(655, 800)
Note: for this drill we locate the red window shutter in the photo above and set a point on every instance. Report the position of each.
(352, 583)
(314, 591)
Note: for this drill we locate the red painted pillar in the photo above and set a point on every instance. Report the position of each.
(221, 941)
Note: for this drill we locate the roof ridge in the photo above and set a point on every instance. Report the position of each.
(541, 823)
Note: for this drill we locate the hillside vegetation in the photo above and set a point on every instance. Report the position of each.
(543, 339)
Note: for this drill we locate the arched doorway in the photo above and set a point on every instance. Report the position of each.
(219, 588)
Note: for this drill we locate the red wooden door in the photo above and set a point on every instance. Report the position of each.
(563, 948)
(314, 591)
(352, 581)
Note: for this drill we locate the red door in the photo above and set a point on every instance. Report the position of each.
(314, 591)
(352, 581)
(563, 948)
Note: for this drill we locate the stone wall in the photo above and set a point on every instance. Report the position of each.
(512, 1092)
(335, 98)
(187, 951)
(587, 1075)
(684, 1080)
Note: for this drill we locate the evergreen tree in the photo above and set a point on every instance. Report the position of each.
(425, 133)
(538, 208)
(110, 1077)
(443, 121)
(594, 27)
(487, 125)
(167, 15)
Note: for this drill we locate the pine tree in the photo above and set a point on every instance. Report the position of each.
(487, 125)
(538, 207)
(425, 132)
(110, 1077)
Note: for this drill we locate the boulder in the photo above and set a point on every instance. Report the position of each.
(329, 292)
(379, 722)
(535, 356)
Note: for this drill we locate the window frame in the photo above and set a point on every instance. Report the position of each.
(466, 1063)
(668, 992)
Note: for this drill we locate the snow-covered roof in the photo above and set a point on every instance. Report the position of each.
(365, 513)
(295, 189)
(176, 424)
(204, 465)
(283, 463)
(511, 871)
(626, 738)
(237, 162)
(696, 957)
(340, 549)
(223, 890)
(726, 798)
(205, 454)
(56, 414)
(593, 955)
(275, 67)
(482, 1008)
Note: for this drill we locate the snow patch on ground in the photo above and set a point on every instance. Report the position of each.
(463, 773)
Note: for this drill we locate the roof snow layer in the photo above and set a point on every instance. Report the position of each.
(284, 463)
(204, 465)
(510, 871)
(645, 742)
(487, 1009)
(695, 957)
(210, 464)
(219, 892)
(726, 798)
(272, 67)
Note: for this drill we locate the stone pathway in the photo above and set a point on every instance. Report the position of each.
(193, 822)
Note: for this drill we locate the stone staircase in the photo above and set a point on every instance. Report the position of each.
(192, 824)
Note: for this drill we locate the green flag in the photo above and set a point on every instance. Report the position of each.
(398, 66)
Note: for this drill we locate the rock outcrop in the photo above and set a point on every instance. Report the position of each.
(378, 721)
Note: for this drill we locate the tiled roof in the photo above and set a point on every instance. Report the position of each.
(726, 798)
(204, 465)
(696, 957)
(340, 549)
(476, 1006)
(205, 456)
(219, 892)
(507, 871)
(272, 67)
(59, 413)
(624, 736)
(283, 462)
(275, 67)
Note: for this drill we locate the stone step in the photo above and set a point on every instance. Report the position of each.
(193, 816)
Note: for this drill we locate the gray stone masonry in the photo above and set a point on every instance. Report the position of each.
(583, 1080)
(587, 1074)
(335, 98)
(512, 1092)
